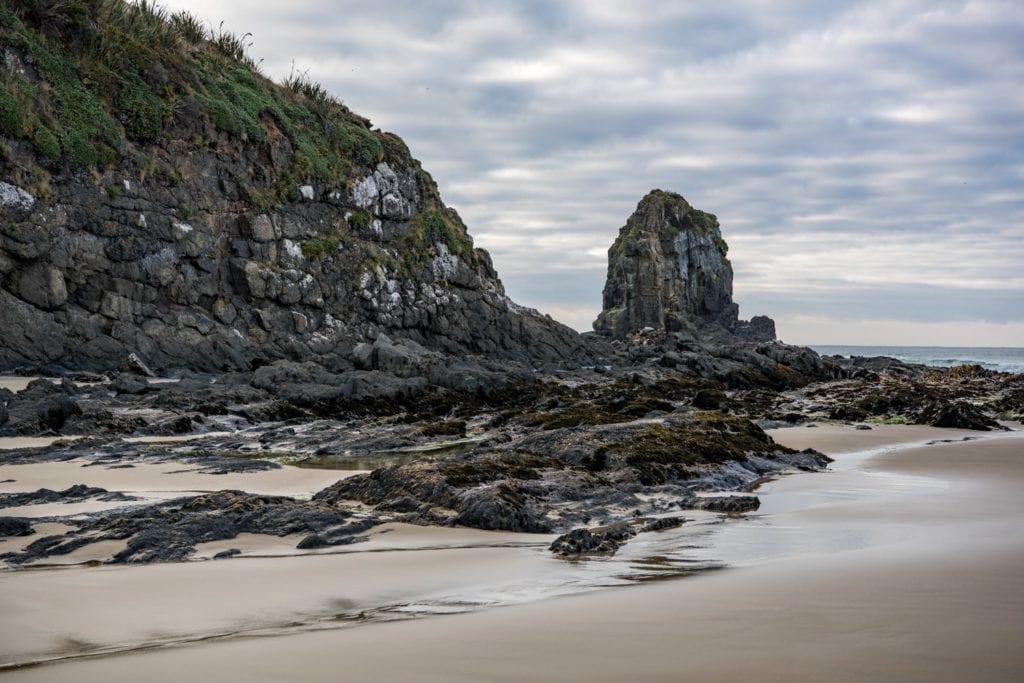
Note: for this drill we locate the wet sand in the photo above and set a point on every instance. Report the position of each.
(898, 565)
(44, 613)
(171, 479)
(15, 383)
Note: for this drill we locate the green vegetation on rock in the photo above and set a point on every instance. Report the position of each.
(319, 247)
(661, 452)
(89, 81)
(10, 117)
(46, 143)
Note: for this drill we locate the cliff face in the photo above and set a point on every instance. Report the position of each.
(161, 197)
(668, 270)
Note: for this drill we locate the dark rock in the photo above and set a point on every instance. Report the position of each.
(709, 399)
(603, 541)
(341, 535)
(285, 372)
(156, 543)
(128, 383)
(728, 504)
(667, 272)
(90, 278)
(171, 426)
(72, 494)
(400, 504)
(760, 327)
(663, 523)
(134, 365)
(361, 385)
(15, 526)
(503, 509)
(227, 554)
(49, 545)
(957, 415)
(169, 531)
(41, 285)
(916, 395)
(42, 406)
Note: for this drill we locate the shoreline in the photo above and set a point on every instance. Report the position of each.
(642, 606)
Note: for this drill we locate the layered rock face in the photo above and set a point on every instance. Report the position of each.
(668, 270)
(200, 216)
(192, 275)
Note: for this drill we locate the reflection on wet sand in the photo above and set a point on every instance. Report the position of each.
(898, 564)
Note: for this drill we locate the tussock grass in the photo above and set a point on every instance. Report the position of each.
(109, 75)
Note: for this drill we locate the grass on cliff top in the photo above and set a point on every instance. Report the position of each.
(87, 79)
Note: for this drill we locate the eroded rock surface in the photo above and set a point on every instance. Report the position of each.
(668, 271)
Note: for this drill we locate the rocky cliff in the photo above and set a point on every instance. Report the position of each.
(668, 271)
(159, 196)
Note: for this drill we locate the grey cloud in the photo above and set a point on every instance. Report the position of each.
(911, 303)
(794, 121)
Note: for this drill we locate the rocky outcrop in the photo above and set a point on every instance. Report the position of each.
(565, 470)
(169, 531)
(89, 279)
(668, 271)
(43, 407)
(230, 235)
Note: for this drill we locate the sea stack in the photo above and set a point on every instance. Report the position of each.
(668, 271)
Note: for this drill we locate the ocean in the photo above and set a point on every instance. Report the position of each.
(1001, 359)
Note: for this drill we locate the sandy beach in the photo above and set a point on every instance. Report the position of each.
(900, 563)
(287, 396)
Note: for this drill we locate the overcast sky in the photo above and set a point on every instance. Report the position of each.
(865, 159)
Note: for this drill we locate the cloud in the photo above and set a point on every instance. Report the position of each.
(857, 153)
(824, 330)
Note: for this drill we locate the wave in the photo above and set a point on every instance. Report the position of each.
(990, 358)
